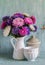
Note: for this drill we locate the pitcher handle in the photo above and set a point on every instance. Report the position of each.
(12, 42)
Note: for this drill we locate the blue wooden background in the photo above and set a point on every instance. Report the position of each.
(32, 7)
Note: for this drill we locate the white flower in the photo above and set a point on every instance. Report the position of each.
(32, 27)
(7, 31)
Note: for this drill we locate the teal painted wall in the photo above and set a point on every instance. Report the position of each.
(32, 7)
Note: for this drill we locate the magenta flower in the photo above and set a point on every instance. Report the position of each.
(18, 22)
(3, 25)
(28, 20)
(33, 19)
(24, 31)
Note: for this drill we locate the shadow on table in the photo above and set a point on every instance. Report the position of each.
(9, 57)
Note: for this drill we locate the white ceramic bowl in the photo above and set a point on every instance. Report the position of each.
(31, 53)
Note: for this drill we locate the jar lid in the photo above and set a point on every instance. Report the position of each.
(33, 39)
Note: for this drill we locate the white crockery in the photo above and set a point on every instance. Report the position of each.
(18, 48)
(31, 53)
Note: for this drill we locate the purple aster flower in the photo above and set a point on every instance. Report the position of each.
(15, 30)
(18, 15)
(7, 19)
(35, 28)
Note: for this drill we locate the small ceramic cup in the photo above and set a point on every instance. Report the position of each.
(31, 53)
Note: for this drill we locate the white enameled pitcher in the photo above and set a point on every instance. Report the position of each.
(18, 48)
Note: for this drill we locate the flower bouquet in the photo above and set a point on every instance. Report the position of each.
(18, 25)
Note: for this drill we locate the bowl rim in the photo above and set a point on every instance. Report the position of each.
(30, 47)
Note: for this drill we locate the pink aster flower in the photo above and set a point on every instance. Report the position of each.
(24, 31)
(33, 19)
(18, 22)
(28, 20)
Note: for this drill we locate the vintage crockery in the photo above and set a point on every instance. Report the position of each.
(31, 53)
(18, 48)
(33, 42)
(18, 54)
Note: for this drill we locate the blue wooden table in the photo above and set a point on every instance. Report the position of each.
(7, 60)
